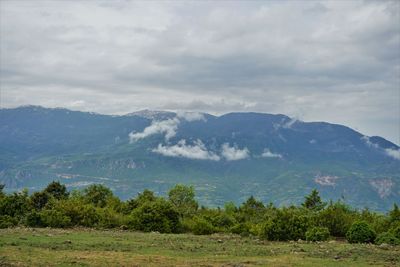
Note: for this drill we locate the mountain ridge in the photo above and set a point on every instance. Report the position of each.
(272, 156)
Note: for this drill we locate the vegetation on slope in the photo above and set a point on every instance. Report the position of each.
(97, 207)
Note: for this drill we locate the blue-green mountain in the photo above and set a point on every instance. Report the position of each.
(226, 158)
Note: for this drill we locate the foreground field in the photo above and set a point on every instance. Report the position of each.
(85, 247)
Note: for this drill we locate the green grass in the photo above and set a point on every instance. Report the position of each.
(86, 247)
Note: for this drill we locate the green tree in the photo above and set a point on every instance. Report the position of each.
(1, 191)
(394, 214)
(40, 199)
(182, 198)
(97, 195)
(337, 217)
(360, 232)
(157, 215)
(142, 198)
(251, 210)
(57, 190)
(313, 201)
(15, 205)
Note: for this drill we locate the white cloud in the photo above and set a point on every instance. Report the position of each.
(234, 153)
(190, 116)
(369, 143)
(289, 123)
(166, 127)
(268, 154)
(195, 151)
(394, 153)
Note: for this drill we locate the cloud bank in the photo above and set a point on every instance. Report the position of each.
(268, 154)
(181, 149)
(390, 152)
(166, 127)
(333, 64)
(190, 116)
(393, 153)
(234, 153)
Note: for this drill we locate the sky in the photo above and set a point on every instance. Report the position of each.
(328, 61)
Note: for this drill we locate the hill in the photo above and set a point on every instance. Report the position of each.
(227, 158)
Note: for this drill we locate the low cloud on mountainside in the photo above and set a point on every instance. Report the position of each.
(234, 153)
(390, 152)
(268, 154)
(167, 127)
(198, 150)
(181, 149)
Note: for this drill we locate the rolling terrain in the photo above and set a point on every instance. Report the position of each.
(86, 247)
(227, 158)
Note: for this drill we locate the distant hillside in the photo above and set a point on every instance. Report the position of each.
(227, 158)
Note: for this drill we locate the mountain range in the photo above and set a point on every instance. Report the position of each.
(275, 158)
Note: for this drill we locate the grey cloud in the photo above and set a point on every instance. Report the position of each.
(316, 60)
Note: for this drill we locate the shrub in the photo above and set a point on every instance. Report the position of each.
(57, 190)
(360, 232)
(39, 200)
(78, 212)
(108, 218)
(317, 234)
(202, 227)
(97, 194)
(222, 221)
(337, 217)
(387, 238)
(286, 224)
(158, 216)
(15, 205)
(7, 221)
(33, 219)
(396, 231)
(54, 218)
(242, 229)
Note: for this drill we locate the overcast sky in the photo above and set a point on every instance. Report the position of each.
(317, 61)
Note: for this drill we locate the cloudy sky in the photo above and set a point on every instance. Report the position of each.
(331, 61)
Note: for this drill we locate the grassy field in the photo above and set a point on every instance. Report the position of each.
(86, 247)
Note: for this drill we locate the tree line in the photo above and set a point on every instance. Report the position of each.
(96, 206)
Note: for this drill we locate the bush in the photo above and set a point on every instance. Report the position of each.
(202, 227)
(54, 218)
(396, 231)
(78, 212)
(317, 234)
(360, 232)
(34, 219)
(222, 221)
(286, 224)
(57, 190)
(387, 238)
(337, 217)
(108, 218)
(158, 216)
(7, 221)
(242, 229)
(15, 205)
(39, 200)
